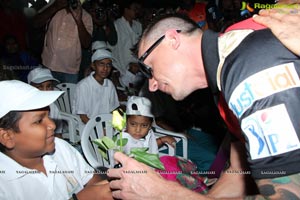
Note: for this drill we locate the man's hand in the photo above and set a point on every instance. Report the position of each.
(135, 180)
(284, 23)
(77, 13)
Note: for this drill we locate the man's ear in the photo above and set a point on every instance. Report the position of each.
(7, 138)
(173, 36)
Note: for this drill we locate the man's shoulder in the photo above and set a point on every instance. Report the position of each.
(245, 24)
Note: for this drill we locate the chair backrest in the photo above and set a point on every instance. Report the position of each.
(97, 127)
(179, 137)
(72, 127)
(65, 101)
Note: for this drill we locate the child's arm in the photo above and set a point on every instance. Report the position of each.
(100, 191)
(84, 118)
(166, 139)
(96, 188)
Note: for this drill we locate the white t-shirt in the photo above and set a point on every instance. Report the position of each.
(130, 78)
(128, 36)
(67, 173)
(149, 141)
(93, 99)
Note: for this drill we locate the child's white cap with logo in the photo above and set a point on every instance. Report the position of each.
(139, 106)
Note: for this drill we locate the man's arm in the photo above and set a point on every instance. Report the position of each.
(236, 181)
(84, 36)
(42, 17)
(95, 191)
(138, 181)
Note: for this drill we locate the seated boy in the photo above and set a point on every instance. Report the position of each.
(34, 164)
(42, 79)
(96, 94)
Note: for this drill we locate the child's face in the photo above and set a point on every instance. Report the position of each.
(138, 126)
(44, 86)
(11, 46)
(36, 136)
(102, 68)
(134, 68)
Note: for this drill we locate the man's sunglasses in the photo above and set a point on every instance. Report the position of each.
(145, 69)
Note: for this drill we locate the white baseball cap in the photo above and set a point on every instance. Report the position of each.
(101, 54)
(139, 106)
(98, 45)
(19, 96)
(40, 75)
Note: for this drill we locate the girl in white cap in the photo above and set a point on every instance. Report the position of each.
(34, 164)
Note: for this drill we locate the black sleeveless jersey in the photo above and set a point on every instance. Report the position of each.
(259, 79)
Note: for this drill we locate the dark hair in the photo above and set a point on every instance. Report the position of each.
(127, 3)
(184, 21)
(10, 121)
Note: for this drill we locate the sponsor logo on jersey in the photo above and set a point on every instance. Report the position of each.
(270, 132)
(263, 84)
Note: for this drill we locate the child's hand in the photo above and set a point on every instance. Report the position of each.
(100, 190)
(168, 140)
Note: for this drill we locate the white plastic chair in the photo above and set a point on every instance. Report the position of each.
(66, 100)
(159, 132)
(74, 127)
(97, 127)
(74, 124)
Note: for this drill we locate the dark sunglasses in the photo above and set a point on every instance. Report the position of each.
(145, 69)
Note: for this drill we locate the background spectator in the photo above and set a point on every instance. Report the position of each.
(68, 31)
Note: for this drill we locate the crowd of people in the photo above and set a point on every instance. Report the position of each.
(202, 66)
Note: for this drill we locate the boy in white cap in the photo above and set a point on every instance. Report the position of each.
(42, 79)
(96, 94)
(35, 164)
(138, 126)
(95, 46)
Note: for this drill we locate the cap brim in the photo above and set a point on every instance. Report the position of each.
(43, 79)
(104, 57)
(39, 99)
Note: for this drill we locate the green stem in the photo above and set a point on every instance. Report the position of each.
(121, 141)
